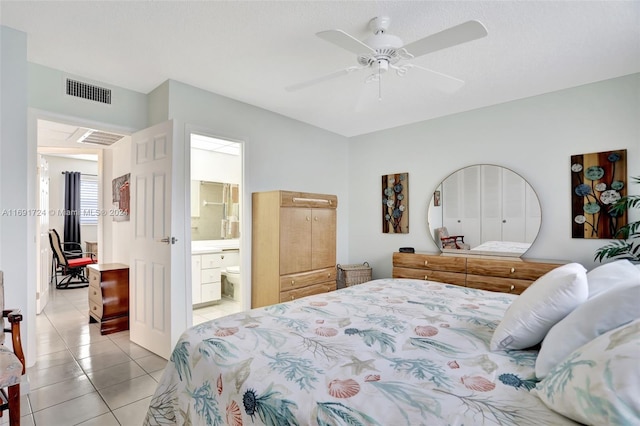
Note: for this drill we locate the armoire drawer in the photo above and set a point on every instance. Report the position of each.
(286, 296)
(304, 199)
(428, 261)
(303, 279)
(430, 275)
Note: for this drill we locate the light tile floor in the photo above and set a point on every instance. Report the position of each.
(84, 378)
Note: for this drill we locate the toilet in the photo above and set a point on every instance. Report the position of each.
(233, 279)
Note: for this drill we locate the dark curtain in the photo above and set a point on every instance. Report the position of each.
(72, 210)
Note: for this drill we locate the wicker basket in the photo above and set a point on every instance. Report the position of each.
(349, 275)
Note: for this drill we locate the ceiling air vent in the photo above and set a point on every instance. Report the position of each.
(88, 91)
(95, 137)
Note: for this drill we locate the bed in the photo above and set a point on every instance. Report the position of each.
(386, 352)
(501, 248)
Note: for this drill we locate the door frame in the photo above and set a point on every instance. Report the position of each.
(245, 234)
(33, 115)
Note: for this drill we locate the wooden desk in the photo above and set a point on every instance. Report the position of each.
(109, 296)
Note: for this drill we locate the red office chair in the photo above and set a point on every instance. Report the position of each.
(70, 264)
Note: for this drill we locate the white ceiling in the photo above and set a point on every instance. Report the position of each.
(251, 50)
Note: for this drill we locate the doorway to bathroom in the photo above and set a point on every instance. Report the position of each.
(216, 214)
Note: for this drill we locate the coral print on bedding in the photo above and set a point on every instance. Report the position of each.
(386, 352)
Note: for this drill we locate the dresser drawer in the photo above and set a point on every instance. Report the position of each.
(95, 294)
(303, 279)
(286, 296)
(431, 262)
(516, 269)
(503, 285)
(430, 275)
(94, 278)
(95, 309)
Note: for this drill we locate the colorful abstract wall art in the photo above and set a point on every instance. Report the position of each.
(598, 180)
(395, 203)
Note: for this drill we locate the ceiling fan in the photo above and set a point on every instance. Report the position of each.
(383, 52)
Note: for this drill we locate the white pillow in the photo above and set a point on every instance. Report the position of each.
(594, 317)
(547, 300)
(599, 383)
(609, 275)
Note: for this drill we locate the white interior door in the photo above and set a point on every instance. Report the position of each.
(151, 254)
(44, 249)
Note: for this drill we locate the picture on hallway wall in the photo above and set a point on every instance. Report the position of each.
(598, 180)
(121, 198)
(395, 203)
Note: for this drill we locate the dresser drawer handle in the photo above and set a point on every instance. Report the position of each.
(513, 270)
(292, 297)
(293, 282)
(329, 275)
(426, 278)
(426, 262)
(513, 287)
(95, 292)
(95, 308)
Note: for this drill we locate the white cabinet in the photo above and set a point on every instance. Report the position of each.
(461, 204)
(205, 277)
(510, 211)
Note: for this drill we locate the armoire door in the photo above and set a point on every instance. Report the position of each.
(323, 238)
(295, 240)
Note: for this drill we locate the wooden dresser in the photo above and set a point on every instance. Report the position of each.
(109, 296)
(293, 246)
(487, 273)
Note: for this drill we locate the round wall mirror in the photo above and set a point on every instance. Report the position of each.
(484, 210)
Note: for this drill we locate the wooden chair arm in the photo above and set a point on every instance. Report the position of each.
(15, 317)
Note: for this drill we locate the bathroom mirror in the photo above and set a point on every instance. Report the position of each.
(492, 209)
(214, 210)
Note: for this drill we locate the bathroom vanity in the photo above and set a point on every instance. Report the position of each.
(208, 261)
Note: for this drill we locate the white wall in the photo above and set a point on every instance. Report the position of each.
(215, 167)
(17, 232)
(534, 137)
(57, 165)
(116, 237)
(279, 153)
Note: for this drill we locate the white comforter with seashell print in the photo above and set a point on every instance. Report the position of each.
(387, 352)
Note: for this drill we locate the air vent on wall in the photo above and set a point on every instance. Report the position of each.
(88, 91)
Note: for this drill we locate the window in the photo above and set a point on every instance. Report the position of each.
(88, 200)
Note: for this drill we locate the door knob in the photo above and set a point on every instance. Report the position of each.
(169, 240)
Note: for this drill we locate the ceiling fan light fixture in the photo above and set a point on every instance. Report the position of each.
(382, 51)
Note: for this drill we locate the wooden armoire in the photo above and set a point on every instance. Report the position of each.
(293, 246)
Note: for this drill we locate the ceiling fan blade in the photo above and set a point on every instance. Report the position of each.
(346, 41)
(468, 31)
(308, 83)
(438, 80)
